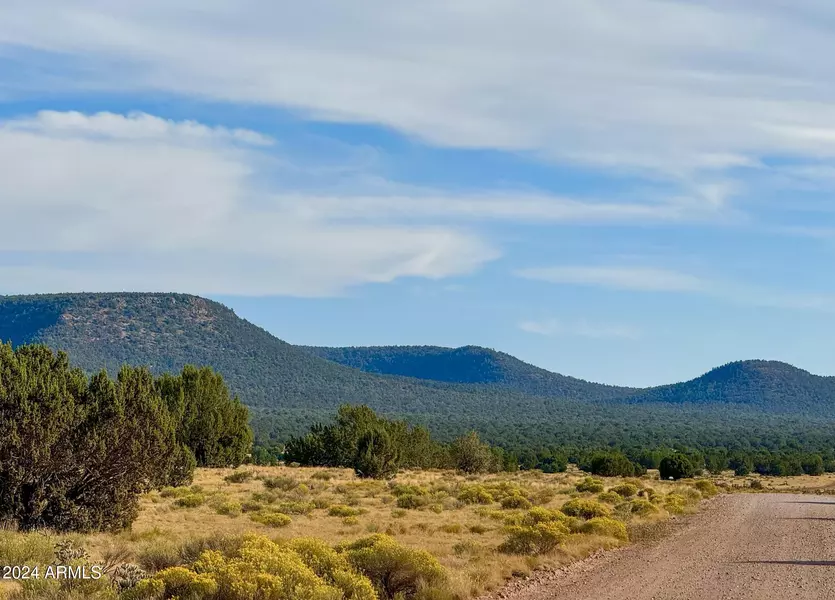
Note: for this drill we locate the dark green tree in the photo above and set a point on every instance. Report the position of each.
(377, 456)
(470, 455)
(75, 454)
(677, 466)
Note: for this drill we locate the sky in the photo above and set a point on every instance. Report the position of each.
(627, 191)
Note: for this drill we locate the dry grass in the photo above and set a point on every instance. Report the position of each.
(420, 509)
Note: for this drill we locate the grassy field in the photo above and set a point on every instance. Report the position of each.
(482, 529)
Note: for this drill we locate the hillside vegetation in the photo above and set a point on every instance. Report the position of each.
(451, 391)
(471, 365)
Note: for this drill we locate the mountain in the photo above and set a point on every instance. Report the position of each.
(469, 365)
(768, 385)
(450, 390)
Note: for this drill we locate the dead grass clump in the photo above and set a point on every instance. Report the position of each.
(285, 484)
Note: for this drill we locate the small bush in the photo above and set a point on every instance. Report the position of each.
(411, 501)
(239, 477)
(539, 538)
(642, 508)
(478, 529)
(675, 503)
(350, 521)
(230, 508)
(340, 510)
(190, 501)
(322, 475)
(606, 527)
(706, 487)
(626, 490)
(475, 494)
(516, 502)
(294, 508)
(451, 528)
(590, 484)
(174, 492)
(26, 549)
(284, 484)
(397, 571)
(403, 489)
(271, 519)
(586, 509)
(609, 497)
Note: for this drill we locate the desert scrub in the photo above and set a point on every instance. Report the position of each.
(395, 570)
(515, 501)
(503, 489)
(230, 508)
(271, 519)
(475, 494)
(404, 489)
(340, 510)
(626, 490)
(585, 509)
(642, 508)
(175, 492)
(543, 515)
(451, 528)
(675, 503)
(411, 501)
(190, 501)
(322, 475)
(707, 488)
(282, 483)
(294, 508)
(26, 549)
(539, 538)
(239, 477)
(606, 527)
(609, 497)
(589, 484)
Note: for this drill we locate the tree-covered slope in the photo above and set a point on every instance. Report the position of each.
(767, 385)
(168, 331)
(470, 365)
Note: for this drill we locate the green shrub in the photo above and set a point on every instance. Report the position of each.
(350, 521)
(516, 502)
(675, 503)
(282, 483)
(340, 510)
(539, 538)
(612, 464)
(294, 508)
(589, 484)
(475, 494)
(539, 514)
(397, 571)
(586, 509)
(410, 501)
(606, 527)
(271, 519)
(229, 508)
(642, 508)
(609, 497)
(707, 488)
(676, 466)
(239, 477)
(403, 489)
(377, 455)
(626, 490)
(26, 549)
(190, 501)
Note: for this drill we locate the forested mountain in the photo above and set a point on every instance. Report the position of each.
(471, 365)
(510, 402)
(770, 385)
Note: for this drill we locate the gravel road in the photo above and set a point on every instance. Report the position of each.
(742, 547)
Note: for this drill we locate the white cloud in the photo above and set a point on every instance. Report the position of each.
(654, 279)
(101, 202)
(670, 87)
(647, 279)
(555, 327)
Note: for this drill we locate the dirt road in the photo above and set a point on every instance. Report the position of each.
(742, 547)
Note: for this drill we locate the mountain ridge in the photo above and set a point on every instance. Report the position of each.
(288, 387)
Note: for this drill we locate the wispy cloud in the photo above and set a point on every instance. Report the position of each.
(647, 279)
(556, 328)
(138, 202)
(659, 280)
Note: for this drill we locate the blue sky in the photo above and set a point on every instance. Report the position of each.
(630, 192)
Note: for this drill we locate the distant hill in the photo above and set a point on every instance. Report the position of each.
(768, 385)
(450, 390)
(470, 365)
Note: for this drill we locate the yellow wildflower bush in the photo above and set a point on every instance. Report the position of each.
(475, 494)
(606, 527)
(586, 509)
(539, 538)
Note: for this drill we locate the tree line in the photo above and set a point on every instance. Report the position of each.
(76, 451)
